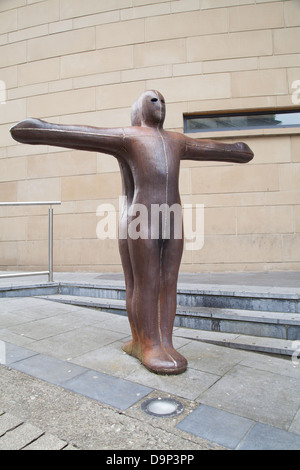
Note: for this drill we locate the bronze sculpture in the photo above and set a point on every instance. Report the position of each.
(149, 159)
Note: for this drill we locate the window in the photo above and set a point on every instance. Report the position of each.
(242, 120)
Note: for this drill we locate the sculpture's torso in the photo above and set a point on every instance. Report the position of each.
(154, 165)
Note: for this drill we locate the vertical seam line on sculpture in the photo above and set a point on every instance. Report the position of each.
(167, 179)
(159, 299)
(161, 251)
(159, 307)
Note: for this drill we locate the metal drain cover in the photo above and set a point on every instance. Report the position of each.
(163, 407)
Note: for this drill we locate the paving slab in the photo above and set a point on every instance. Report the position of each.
(107, 389)
(257, 392)
(188, 385)
(76, 342)
(8, 422)
(227, 429)
(109, 359)
(211, 358)
(277, 365)
(263, 396)
(295, 426)
(10, 353)
(264, 437)
(19, 437)
(47, 442)
(48, 368)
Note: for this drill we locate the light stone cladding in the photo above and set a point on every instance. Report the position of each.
(86, 62)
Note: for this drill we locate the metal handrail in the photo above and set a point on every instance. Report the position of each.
(50, 237)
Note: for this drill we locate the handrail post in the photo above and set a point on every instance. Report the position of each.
(50, 244)
(50, 237)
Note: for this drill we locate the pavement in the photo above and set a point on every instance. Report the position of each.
(66, 384)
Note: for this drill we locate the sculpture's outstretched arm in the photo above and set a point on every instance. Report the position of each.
(37, 132)
(210, 150)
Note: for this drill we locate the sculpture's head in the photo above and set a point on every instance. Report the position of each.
(149, 110)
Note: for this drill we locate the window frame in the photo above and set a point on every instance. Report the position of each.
(293, 128)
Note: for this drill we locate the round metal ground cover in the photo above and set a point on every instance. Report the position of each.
(162, 407)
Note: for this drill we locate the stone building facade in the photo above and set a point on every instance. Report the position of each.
(86, 62)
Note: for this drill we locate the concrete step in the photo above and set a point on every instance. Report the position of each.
(248, 322)
(257, 298)
(23, 290)
(109, 305)
(281, 326)
(274, 346)
(237, 297)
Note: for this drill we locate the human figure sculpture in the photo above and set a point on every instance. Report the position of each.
(149, 159)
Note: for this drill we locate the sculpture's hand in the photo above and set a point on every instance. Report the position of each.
(241, 152)
(29, 131)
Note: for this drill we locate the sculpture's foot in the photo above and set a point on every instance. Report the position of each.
(178, 358)
(160, 360)
(165, 362)
(132, 348)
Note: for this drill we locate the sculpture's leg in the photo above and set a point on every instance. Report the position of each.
(171, 254)
(131, 346)
(146, 260)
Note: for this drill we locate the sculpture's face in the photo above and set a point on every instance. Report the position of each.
(149, 110)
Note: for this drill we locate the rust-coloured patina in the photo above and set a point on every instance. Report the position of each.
(149, 159)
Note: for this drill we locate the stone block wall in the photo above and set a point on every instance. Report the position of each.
(86, 62)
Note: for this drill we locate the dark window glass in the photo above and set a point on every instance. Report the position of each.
(239, 121)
